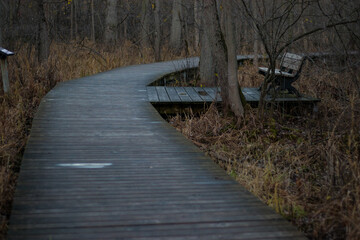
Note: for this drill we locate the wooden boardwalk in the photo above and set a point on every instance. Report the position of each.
(162, 94)
(101, 163)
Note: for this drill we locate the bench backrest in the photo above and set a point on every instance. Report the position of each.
(291, 62)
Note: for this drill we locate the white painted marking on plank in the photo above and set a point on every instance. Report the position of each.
(84, 165)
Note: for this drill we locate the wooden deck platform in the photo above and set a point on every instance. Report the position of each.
(101, 163)
(174, 99)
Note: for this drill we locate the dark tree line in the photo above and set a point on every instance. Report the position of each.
(216, 29)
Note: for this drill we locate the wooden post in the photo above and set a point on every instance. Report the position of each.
(5, 75)
(4, 70)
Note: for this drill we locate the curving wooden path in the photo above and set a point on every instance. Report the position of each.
(101, 163)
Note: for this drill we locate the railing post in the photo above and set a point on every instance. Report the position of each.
(4, 68)
(5, 75)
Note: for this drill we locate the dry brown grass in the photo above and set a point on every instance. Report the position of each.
(306, 167)
(30, 81)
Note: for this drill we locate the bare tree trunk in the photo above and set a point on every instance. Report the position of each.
(75, 19)
(235, 94)
(2, 13)
(255, 36)
(144, 23)
(111, 22)
(175, 34)
(72, 21)
(197, 24)
(186, 37)
(206, 70)
(212, 30)
(43, 41)
(12, 14)
(157, 31)
(1, 41)
(92, 22)
(125, 24)
(306, 42)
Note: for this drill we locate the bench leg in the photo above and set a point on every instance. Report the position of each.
(291, 89)
(287, 85)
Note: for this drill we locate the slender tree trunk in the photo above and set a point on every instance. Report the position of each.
(206, 69)
(157, 31)
(75, 18)
(72, 21)
(43, 41)
(175, 33)
(1, 41)
(125, 24)
(255, 36)
(145, 23)
(197, 24)
(2, 13)
(186, 34)
(92, 22)
(235, 94)
(111, 22)
(11, 16)
(212, 30)
(223, 54)
(306, 42)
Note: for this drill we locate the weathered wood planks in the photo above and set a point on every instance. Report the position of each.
(101, 163)
(208, 95)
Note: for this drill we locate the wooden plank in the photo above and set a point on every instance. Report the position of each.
(251, 94)
(294, 65)
(152, 94)
(163, 96)
(214, 93)
(193, 94)
(293, 56)
(292, 61)
(210, 92)
(183, 94)
(203, 94)
(173, 94)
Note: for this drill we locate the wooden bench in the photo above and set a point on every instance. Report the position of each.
(290, 69)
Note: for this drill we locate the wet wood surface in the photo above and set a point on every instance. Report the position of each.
(101, 163)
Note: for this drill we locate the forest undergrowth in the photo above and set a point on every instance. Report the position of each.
(305, 166)
(30, 81)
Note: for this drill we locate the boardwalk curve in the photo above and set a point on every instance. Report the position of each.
(101, 163)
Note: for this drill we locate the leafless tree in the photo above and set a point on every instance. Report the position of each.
(275, 21)
(157, 47)
(176, 26)
(223, 54)
(110, 34)
(43, 41)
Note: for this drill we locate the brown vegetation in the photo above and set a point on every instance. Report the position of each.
(305, 166)
(30, 81)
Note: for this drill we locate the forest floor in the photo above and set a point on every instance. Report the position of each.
(305, 166)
